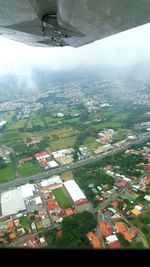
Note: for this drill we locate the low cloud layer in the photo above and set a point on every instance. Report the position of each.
(121, 50)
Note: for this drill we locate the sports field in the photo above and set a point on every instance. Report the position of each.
(62, 197)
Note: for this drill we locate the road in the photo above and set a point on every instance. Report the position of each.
(38, 177)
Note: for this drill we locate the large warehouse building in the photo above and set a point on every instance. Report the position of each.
(12, 202)
(75, 192)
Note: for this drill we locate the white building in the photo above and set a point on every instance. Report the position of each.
(38, 200)
(12, 202)
(75, 192)
(147, 197)
(51, 181)
(27, 190)
(52, 164)
(111, 238)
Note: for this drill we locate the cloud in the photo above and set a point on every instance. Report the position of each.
(124, 49)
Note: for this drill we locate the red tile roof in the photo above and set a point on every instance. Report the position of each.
(10, 224)
(115, 244)
(27, 159)
(121, 227)
(115, 203)
(69, 211)
(121, 183)
(52, 204)
(105, 228)
(81, 201)
(41, 154)
(59, 233)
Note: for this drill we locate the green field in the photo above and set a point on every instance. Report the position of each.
(17, 125)
(62, 143)
(7, 174)
(120, 117)
(62, 198)
(121, 134)
(107, 124)
(38, 122)
(24, 222)
(9, 136)
(29, 124)
(19, 147)
(91, 143)
(29, 169)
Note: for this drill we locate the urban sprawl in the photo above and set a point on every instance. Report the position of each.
(75, 166)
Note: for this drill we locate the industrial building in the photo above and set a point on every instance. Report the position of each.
(27, 190)
(12, 202)
(75, 192)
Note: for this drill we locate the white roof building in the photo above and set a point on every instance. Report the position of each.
(111, 238)
(38, 200)
(12, 202)
(147, 197)
(27, 190)
(74, 190)
(62, 152)
(50, 181)
(2, 123)
(52, 164)
(138, 207)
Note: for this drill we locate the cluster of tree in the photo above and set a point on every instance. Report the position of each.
(135, 115)
(74, 229)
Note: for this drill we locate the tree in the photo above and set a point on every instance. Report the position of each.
(74, 230)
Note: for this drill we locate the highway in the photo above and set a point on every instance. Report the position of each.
(46, 174)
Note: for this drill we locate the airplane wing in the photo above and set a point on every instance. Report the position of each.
(69, 22)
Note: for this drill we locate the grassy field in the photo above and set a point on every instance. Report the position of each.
(107, 124)
(8, 117)
(38, 122)
(29, 169)
(62, 198)
(24, 222)
(120, 135)
(66, 176)
(9, 136)
(29, 124)
(91, 143)
(120, 117)
(17, 125)
(7, 173)
(19, 147)
(63, 143)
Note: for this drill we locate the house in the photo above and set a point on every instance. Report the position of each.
(33, 242)
(115, 244)
(10, 224)
(94, 239)
(120, 227)
(52, 205)
(105, 228)
(59, 233)
(135, 212)
(69, 211)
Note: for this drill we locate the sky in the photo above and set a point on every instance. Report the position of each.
(120, 50)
